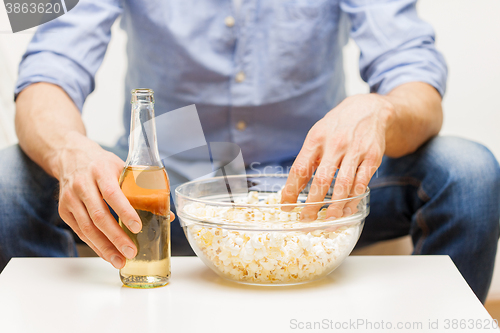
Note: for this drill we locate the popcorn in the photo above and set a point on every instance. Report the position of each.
(253, 197)
(283, 216)
(272, 199)
(239, 241)
(295, 255)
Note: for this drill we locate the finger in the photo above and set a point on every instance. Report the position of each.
(114, 196)
(301, 172)
(91, 245)
(364, 174)
(343, 184)
(321, 183)
(104, 221)
(90, 231)
(87, 241)
(172, 217)
(70, 220)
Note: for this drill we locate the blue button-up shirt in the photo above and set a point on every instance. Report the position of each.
(261, 82)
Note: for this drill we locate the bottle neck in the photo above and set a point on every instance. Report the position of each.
(143, 146)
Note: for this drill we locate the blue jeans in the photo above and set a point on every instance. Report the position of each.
(446, 195)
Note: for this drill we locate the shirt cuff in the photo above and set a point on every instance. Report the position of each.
(393, 81)
(413, 67)
(57, 69)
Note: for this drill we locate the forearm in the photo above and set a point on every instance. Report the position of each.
(417, 116)
(46, 119)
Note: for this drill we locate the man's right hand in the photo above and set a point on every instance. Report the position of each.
(88, 177)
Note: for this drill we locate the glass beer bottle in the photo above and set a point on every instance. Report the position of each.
(144, 182)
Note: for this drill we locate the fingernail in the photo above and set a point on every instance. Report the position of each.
(128, 252)
(347, 211)
(286, 208)
(134, 226)
(334, 213)
(116, 261)
(306, 217)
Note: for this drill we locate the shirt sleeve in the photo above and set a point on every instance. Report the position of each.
(68, 51)
(396, 45)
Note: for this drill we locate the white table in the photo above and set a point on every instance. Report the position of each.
(86, 295)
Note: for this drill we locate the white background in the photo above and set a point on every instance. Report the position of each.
(468, 34)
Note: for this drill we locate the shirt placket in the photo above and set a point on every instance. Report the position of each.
(241, 82)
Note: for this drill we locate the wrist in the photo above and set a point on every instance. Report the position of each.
(386, 108)
(71, 143)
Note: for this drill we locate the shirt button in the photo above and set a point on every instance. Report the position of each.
(241, 125)
(229, 21)
(240, 77)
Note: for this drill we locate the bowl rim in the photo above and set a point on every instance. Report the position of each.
(231, 204)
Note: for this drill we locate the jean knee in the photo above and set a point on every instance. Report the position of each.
(473, 177)
(465, 161)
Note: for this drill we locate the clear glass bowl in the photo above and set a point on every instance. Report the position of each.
(237, 226)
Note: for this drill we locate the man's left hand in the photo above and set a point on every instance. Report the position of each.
(350, 139)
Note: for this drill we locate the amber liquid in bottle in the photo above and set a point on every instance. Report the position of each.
(144, 182)
(147, 190)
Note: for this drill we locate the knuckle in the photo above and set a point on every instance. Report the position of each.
(373, 157)
(342, 186)
(63, 198)
(300, 169)
(323, 180)
(362, 179)
(343, 181)
(79, 185)
(340, 142)
(97, 169)
(87, 229)
(107, 250)
(109, 192)
(117, 240)
(354, 148)
(66, 201)
(359, 189)
(99, 217)
(315, 134)
(347, 171)
(313, 139)
(94, 167)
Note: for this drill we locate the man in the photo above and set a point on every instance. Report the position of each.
(266, 75)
